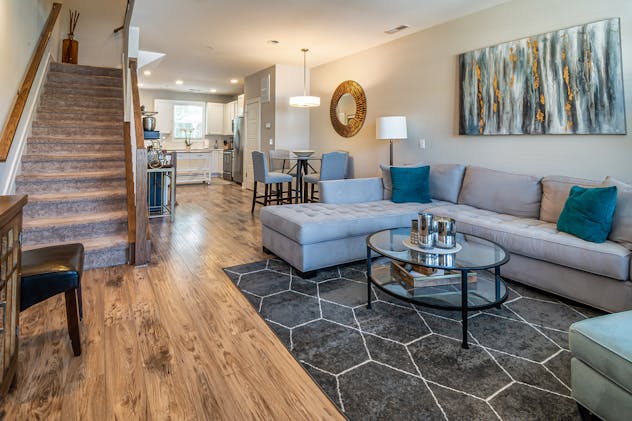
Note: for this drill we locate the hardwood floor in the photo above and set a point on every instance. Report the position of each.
(174, 340)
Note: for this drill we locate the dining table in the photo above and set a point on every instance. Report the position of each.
(301, 166)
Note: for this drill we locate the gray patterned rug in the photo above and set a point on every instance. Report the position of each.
(399, 361)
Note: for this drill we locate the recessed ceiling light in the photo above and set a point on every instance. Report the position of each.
(272, 41)
(213, 90)
(234, 81)
(396, 29)
(147, 72)
(140, 85)
(179, 82)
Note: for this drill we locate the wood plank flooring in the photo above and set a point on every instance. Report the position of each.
(174, 340)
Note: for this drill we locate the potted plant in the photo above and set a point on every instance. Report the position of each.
(70, 46)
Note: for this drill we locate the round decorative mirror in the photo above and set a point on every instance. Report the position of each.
(348, 108)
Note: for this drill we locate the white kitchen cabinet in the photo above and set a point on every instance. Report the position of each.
(217, 163)
(193, 167)
(214, 118)
(228, 118)
(164, 118)
(240, 105)
(230, 113)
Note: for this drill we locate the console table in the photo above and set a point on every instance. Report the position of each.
(10, 255)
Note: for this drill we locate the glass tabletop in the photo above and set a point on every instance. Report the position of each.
(475, 254)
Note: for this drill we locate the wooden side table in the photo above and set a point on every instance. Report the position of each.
(10, 257)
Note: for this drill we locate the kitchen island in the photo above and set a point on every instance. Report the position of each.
(198, 165)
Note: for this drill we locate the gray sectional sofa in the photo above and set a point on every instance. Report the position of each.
(518, 212)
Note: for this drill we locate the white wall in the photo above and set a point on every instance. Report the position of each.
(98, 45)
(417, 76)
(292, 124)
(21, 22)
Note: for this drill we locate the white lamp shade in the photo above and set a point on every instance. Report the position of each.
(391, 127)
(304, 101)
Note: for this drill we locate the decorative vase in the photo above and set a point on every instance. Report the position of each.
(69, 50)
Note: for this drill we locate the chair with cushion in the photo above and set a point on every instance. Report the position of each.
(601, 367)
(262, 175)
(332, 167)
(49, 271)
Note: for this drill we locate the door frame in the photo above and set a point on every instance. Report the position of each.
(247, 159)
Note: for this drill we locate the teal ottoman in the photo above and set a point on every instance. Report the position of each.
(601, 367)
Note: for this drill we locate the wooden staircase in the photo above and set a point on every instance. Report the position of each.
(74, 166)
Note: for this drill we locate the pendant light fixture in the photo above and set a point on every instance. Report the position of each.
(304, 101)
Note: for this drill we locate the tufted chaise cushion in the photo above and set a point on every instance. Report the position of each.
(317, 222)
(540, 240)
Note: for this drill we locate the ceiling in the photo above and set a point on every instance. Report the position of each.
(208, 42)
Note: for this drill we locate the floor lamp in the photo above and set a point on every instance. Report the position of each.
(391, 128)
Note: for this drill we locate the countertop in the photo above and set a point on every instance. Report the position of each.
(199, 150)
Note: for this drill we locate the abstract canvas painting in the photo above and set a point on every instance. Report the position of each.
(562, 82)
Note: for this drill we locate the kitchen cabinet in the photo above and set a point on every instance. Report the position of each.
(216, 162)
(164, 118)
(230, 113)
(193, 167)
(214, 118)
(240, 105)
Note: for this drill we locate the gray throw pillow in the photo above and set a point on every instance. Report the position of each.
(445, 181)
(622, 223)
(555, 190)
(502, 192)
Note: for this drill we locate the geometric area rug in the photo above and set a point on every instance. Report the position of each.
(399, 361)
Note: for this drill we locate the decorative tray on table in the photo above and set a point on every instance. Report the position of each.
(434, 250)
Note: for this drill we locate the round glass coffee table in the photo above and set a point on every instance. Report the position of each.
(466, 280)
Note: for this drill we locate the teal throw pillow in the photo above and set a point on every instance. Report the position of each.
(411, 184)
(588, 213)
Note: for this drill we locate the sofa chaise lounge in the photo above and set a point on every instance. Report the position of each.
(519, 212)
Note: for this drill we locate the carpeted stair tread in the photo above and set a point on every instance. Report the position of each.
(84, 79)
(79, 123)
(66, 86)
(119, 240)
(86, 70)
(71, 176)
(73, 156)
(74, 139)
(79, 219)
(87, 111)
(77, 196)
(106, 251)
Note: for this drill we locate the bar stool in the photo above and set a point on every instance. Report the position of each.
(49, 271)
(332, 167)
(262, 175)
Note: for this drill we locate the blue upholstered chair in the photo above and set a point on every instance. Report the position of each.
(332, 167)
(262, 175)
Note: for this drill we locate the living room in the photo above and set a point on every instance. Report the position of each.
(205, 331)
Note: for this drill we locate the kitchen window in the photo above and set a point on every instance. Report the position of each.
(188, 121)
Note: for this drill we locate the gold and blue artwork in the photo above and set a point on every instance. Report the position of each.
(562, 82)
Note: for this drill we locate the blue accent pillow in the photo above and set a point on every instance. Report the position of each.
(411, 184)
(588, 213)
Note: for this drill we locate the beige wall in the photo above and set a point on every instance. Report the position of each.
(252, 89)
(98, 45)
(21, 22)
(416, 76)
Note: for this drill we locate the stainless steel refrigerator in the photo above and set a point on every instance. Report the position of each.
(238, 149)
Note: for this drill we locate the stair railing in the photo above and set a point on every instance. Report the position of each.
(142, 243)
(11, 125)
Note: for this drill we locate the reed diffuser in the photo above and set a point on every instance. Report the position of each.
(70, 46)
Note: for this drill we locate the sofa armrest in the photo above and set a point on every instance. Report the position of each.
(355, 190)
